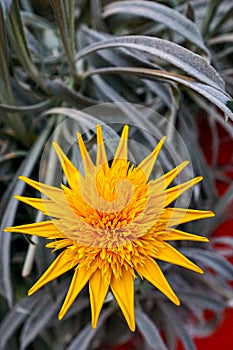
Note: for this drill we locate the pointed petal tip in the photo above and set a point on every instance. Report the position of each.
(60, 315)
(175, 300)
(125, 131)
(31, 291)
(22, 178)
(163, 139)
(132, 327)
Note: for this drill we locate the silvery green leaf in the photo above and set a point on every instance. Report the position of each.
(84, 338)
(211, 259)
(191, 63)
(149, 331)
(159, 13)
(39, 318)
(15, 317)
(216, 95)
(176, 323)
(8, 216)
(6, 5)
(198, 300)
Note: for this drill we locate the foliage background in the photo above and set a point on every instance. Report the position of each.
(174, 57)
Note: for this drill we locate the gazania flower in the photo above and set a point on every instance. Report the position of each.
(111, 224)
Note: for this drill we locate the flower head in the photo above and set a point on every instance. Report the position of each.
(110, 225)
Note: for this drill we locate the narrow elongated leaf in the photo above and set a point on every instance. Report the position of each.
(9, 213)
(159, 13)
(149, 331)
(15, 317)
(39, 319)
(176, 323)
(191, 63)
(22, 109)
(213, 94)
(84, 338)
(6, 5)
(211, 259)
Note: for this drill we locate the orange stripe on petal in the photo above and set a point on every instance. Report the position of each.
(148, 163)
(98, 289)
(79, 280)
(59, 266)
(170, 254)
(152, 272)
(123, 290)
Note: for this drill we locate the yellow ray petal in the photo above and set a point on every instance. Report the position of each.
(170, 254)
(41, 229)
(59, 266)
(174, 235)
(152, 272)
(101, 156)
(70, 171)
(122, 148)
(166, 179)
(176, 191)
(98, 289)
(79, 280)
(148, 163)
(86, 159)
(123, 290)
(54, 193)
(36, 203)
(176, 216)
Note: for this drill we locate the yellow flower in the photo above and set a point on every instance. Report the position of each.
(112, 224)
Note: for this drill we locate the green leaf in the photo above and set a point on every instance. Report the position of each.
(149, 331)
(15, 317)
(159, 13)
(9, 212)
(215, 95)
(6, 5)
(84, 338)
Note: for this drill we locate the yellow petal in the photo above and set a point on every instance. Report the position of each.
(170, 254)
(79, 280)
(41, 229)
(148, 163)
(122, 148)
(70, 171)
(166, 179)
(176, 216)
(47, 206)
(176, 191)
(36, 203)
(98, 289)
(152, 272)
(54, 193)
(101, 156)
(174, 235)
(59, 266)
(123, 290)
(86, 159)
